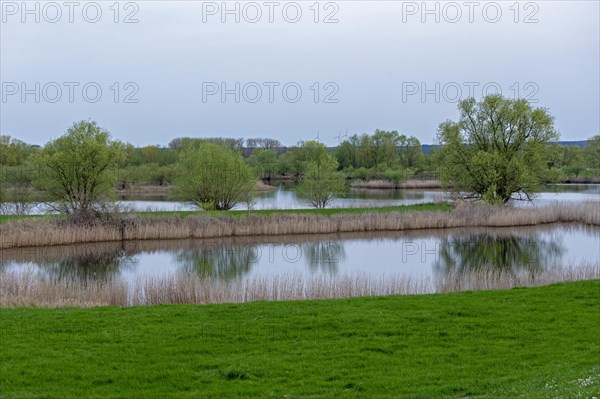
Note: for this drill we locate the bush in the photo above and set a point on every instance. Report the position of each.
(213, 177)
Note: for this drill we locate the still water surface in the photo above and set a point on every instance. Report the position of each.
(284, 197)
(431, 253)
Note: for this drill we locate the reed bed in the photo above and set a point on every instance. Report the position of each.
(27, 288)
(47, 232)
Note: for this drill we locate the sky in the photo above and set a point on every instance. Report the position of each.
(150, 71)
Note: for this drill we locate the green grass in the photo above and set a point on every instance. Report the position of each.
(530, 343)
(327, 211)
(10, 218)
(266, 212)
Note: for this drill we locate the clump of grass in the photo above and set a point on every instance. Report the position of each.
(27, 288)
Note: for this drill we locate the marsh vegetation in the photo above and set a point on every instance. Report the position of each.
(44, 232)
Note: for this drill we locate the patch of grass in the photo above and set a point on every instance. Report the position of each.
(443, 207)
(526, 342)
(11, 218)
(331, 211)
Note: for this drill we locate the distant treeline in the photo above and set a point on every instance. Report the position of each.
(385, 155)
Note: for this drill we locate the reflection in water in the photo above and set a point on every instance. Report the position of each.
(473, 252)
(88, 266)
(324, 256)
(217, 261)
(284, 197)
(377, 254)
(229, 261)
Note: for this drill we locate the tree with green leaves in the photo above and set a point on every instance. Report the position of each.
(572, 160)
(231, 143)
(13, 152)
(263, 162)
(310, 151)
(592, 152)
(295, 159)
(213, 177)
(345, 153)
(383, 150)
(366, 155)
(320, 181)
(497, 150)
(263, 142)
(385, 144)
(410, 152)
(77, 170)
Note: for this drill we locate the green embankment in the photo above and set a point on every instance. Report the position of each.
(530, 343)
(328, 211)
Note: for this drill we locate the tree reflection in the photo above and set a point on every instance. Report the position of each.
(324, 255)
(507, 253)
(218, 261)
(88, 266)
(229, 261)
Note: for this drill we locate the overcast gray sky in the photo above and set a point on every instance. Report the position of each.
(149, 71)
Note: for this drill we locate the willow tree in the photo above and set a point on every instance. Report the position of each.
(77, 170)
(321, 180)
(213, 177)
(497, 150)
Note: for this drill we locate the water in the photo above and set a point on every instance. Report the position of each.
(431, 253)
(569, 193)
(284, 197)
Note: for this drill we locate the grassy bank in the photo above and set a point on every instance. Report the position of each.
(45, 231)
(430, 207)
(443, 207)
(522, 343)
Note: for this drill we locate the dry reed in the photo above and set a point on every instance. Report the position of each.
(27, 288)
(47, 232)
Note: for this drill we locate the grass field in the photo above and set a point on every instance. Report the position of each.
(528, 342)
